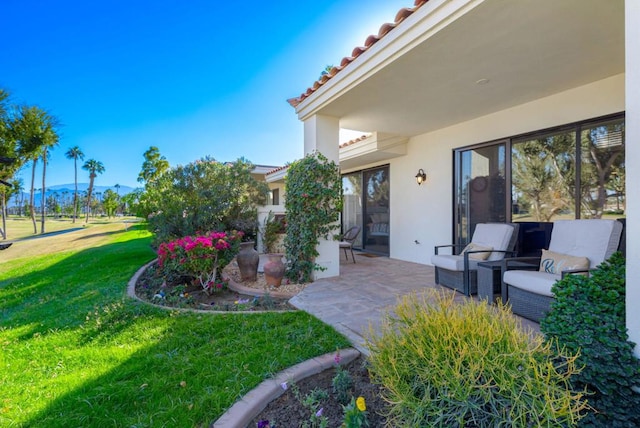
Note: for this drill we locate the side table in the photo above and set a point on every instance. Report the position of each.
(489, 280)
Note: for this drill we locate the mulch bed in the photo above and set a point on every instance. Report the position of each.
(287, 411)
(181, 292)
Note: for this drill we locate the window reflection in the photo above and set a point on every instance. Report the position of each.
(543, 177)
(602, 189)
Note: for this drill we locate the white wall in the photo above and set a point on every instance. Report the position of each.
(632, 57)
(424, 213)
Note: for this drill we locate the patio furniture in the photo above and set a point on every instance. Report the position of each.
(490, 278)
(490, 242)
(576, 246)
(347, 241)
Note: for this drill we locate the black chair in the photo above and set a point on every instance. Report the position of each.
(346, 243)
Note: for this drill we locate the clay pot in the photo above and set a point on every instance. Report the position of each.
(248, 260)
(274, 270)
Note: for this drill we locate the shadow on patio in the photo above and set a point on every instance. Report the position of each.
(364, 291)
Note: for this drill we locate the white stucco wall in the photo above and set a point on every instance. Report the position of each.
(632, 57)
(424, 213)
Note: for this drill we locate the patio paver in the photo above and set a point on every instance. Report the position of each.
(362, 294)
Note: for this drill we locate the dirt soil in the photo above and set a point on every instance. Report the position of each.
(182, 292)
(287, 410)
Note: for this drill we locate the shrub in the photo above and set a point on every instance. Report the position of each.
(588, 315)
(313, 204)
(272, 227)
(199, 256)
(204, 195)
(450, 364)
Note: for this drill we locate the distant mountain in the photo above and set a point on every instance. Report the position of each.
(61, 188)
(85, 186)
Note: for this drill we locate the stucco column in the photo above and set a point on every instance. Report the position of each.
(321, 134)
(632, 165)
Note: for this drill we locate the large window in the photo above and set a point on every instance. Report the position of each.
(536, 177)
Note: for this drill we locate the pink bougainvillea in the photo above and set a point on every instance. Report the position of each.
(200, 256)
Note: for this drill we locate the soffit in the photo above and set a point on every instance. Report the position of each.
(528, 49)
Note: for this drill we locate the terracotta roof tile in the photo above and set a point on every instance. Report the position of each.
(354, 141)
(359, 50)
(280, 168)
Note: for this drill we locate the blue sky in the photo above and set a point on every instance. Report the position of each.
(194, 78)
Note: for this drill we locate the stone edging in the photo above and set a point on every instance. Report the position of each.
(131, 292)
(251, 404)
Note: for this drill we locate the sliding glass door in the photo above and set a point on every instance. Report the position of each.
(480, 189)
(366, 204)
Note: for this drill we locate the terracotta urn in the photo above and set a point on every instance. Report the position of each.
(274, 270)
(248, 260)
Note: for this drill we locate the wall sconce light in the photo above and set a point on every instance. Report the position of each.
(421, 176)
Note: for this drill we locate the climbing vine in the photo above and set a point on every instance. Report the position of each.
(313, 205)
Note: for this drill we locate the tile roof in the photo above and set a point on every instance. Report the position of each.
(354, 141)
(280, 168)
(357, 51)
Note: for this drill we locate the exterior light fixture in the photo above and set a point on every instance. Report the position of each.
(421, 176)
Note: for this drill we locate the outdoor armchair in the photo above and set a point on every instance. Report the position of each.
(458, 270)
(576, 246)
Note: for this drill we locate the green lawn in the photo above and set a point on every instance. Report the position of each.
(77, 352)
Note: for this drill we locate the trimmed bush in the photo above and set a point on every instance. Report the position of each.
(451, 364)
(588, 315)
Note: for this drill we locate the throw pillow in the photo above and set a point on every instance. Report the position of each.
(478, 256)
(555, 263)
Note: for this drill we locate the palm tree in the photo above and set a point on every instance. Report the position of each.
(34, 129)
(94, 167)
(19, 188)
(49, 141)
(75, 153)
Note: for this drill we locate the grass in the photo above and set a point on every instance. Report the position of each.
(21, 227)
(77, 352)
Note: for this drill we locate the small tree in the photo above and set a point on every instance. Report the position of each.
(110, 202)
(313, 205)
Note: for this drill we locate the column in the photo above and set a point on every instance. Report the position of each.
(321, 134)
(632, 165)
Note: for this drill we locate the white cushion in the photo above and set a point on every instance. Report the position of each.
(494, 235)
(454, 263)
(595, 239)
(534, 281)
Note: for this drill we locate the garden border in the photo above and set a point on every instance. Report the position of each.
(251, 404)
(131, 292)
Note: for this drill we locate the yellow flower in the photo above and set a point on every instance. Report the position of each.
(362, 406)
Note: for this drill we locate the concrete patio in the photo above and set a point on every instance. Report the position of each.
(365, 291)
